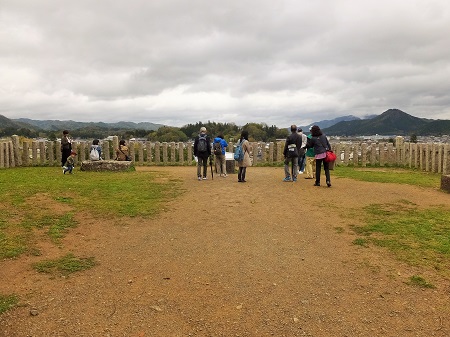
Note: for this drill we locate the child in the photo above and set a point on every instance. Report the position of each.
(70, 163)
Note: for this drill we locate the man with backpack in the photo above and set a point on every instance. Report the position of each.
(202, 150)
(219, 145)
(291, 152)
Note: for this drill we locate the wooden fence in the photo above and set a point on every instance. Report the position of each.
(429, 157)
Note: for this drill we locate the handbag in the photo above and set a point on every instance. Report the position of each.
(331, 157)
(127, 157)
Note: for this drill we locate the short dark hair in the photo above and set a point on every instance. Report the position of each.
(95, 141)
(293, 128)
(65, 132)
(122, 142)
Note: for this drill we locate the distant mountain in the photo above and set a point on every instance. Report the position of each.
(390, 122)
(7, 123)
(57, 125)
(330, 122)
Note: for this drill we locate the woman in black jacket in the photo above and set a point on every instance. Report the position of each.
(320, 144)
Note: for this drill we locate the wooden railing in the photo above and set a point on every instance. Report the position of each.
(429, 157)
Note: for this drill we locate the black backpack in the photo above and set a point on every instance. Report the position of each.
(202, 145)
(217, 147)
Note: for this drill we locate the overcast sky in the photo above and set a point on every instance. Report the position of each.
(182, 61)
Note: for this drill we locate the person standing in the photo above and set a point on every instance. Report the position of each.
(310, 165)
(301, 155)
(246, 161)
(202, 150)
(291, 152)
(320, 143)
(66, 147)
(219, 145)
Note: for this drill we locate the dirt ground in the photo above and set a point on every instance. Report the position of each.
(262, 258)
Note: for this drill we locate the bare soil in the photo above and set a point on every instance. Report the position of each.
(262, 258)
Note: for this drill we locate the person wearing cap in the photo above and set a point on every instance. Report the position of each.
(301, 154)
(291, 152)
(202, 150)
(66, 147)
(310, 161)
(70, 163)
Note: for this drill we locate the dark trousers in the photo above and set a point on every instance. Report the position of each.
(65, 153)
(241, 173)
(326, 168)
(202, 162)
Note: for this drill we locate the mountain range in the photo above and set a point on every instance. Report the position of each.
(390, 122)
(57, 125)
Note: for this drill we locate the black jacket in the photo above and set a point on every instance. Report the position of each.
(205, 154)
(293, 138)
(320, 144)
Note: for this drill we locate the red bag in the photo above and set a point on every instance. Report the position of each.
(330, 156)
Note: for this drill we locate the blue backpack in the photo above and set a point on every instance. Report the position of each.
(239, 152)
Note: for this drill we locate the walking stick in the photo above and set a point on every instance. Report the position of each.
(210, 164)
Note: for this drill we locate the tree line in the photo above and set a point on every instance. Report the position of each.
(230, 132)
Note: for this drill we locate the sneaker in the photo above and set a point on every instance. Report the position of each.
(199, 178)
(287, 179)
(328, 184)
(204, 178)
(294, 179)
(224, 175)
(300, 172)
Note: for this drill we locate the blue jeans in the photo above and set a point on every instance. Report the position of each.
(301, 163)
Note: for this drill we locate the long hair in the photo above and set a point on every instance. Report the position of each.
(315, 131)
(244, 135)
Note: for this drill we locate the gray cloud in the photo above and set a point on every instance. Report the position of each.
(178, 62)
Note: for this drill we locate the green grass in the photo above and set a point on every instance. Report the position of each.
(389, 175)
(42, 200)
(7, 302)
(418, 236)
(65, 265)
(420, 282)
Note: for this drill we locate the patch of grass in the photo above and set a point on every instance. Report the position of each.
(390, 175)
(65, 265)
(339, 229)
(33, 197)
(420, 237)
(7, 302)
(360, 242)
(59, 227)
(420, 282)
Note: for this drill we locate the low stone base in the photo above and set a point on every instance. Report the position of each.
(445, 183)
(230, 166)
(106, 165)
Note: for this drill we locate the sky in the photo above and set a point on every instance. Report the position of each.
(176, 62)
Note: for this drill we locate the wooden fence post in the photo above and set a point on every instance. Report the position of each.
(157, 152)
(181, 153)
(16, 150)
(2, 154)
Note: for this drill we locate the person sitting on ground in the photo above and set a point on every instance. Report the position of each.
(122, 152)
